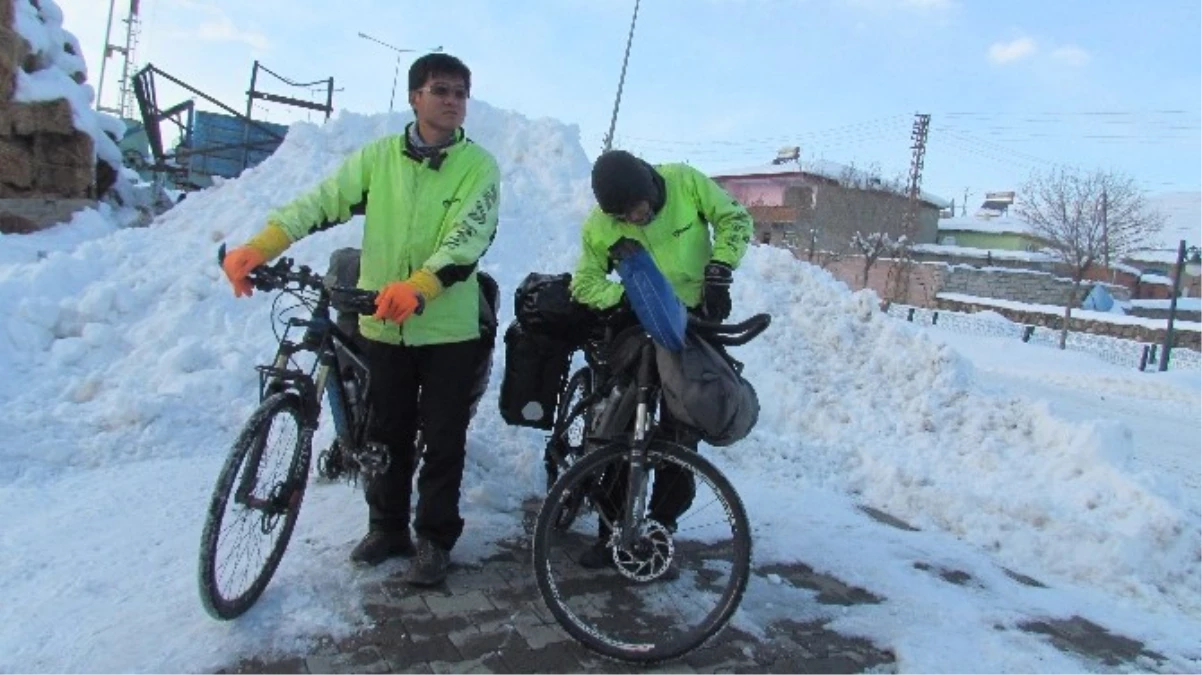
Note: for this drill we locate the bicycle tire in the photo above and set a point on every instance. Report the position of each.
(622, 620)
(248, 452)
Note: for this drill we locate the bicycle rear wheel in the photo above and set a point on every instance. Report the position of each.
(568, 434)
(254, 507)
(665, 596)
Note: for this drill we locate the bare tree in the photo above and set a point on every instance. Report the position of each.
(1083, 218)
(866, 213)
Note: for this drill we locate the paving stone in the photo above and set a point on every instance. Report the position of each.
(470, 602)
(1082, 636)
(287, 665)
(362, 660)
(480, 645)
(420, 628)
(549, 660)
(541, 636)
(468, 666)
(411, 652)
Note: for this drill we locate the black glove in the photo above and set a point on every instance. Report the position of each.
(716, 291)
(623, 248)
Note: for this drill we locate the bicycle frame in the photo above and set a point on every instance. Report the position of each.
(323, 338)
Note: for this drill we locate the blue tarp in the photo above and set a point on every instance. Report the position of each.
(1099, 299)
(213, 129)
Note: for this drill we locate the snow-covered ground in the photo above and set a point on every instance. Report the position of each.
(127, 367)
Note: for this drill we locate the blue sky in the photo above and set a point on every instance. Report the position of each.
(1012, 86)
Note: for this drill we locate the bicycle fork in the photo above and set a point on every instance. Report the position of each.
(635, 506)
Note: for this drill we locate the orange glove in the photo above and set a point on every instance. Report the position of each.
(398, 301)
(267, 244)
(237, 264)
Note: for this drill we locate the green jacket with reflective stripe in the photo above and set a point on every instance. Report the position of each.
(678, 238)
(441, 218)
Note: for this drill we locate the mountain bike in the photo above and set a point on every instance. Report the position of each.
(258, 493)
(671, 582)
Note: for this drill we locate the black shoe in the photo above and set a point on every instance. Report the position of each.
(596, 557)
(379, 546)
(431, 566)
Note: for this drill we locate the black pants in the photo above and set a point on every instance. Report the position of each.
(672, 487)
(428, 387)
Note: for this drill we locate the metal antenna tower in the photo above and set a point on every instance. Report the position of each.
(125, 99)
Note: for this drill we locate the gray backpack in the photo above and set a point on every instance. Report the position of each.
(703, 388)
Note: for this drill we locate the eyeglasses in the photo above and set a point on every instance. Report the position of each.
(444, 90)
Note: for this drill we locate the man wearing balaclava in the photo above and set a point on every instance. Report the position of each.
(669, 209)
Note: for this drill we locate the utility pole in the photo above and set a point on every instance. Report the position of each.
(1168, 333)
(396, 70)
(1105, 233)
(964, 204)
(613, 121)
(919, 136)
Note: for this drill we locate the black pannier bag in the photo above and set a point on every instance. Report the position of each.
(543, 304)
(536, 366)
(703, 387)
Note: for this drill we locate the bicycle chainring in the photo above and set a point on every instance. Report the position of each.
(373, 459)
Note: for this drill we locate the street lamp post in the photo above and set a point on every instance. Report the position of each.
(1193, 267)
(397, 70)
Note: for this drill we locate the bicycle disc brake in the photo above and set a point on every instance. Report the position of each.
(650, 555)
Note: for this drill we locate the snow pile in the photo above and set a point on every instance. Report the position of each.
(125, 356)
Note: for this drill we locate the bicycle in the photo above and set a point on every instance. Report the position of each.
(676, 583)
(267, 490)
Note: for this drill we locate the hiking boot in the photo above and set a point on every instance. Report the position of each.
(431, 565)
(596, 557)
(379, 546)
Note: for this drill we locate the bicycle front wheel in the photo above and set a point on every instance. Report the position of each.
(680, 582)
(254, 507)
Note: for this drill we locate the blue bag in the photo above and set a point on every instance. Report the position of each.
(654, 302)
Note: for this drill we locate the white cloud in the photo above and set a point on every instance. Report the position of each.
(1072, 55)
(1005, 52)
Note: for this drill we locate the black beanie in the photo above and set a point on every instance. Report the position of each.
(621, 180)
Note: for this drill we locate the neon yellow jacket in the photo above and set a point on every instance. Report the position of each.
(678, 238)
(439, 219)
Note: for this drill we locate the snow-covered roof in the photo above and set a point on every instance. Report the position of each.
(819, 167)
(983, 253)
(1184, 304)
(1004, 224)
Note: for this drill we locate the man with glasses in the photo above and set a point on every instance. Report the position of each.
(670, 209)
(430, 197)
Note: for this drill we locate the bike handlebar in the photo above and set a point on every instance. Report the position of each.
(279, 275)
(731, 334)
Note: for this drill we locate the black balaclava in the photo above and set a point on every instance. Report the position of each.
(621, 180)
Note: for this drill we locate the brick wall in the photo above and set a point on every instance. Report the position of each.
(42, 155)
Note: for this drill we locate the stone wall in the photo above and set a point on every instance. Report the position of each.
(1191, 339)
(1027, 286)
(42, 155)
